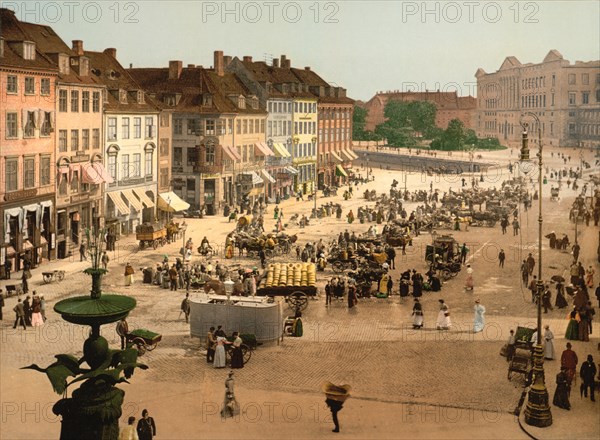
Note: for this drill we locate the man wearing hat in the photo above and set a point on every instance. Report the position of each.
(587, 374)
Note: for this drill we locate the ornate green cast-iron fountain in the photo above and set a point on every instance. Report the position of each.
(93, 410)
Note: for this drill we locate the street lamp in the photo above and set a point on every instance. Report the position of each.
(537, 411)
(314, 142)
(575, 215)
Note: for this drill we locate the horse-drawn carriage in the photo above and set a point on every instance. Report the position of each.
(273, 244)
(294, 281)
(485, 219)
(521, 361)
(151, 235)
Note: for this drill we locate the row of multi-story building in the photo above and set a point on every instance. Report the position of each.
(86, 142)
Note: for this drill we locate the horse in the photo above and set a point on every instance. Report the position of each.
(217, 286)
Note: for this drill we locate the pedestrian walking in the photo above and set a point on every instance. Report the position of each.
(516, 227)
(185, 307)
(417, 314)
(19, 314)
(36, 311)
(479, 321)
(24, 283)
(128, 432)
(547, 299)
(563, 390)
(469, 282)
(1, 304)
(549, 343)
(173, 277)
(211, 344)
(146, 428)
(352, 299)
(231, 407)
(328, 292)
(28, 310)
(568, 359)
(335, 398)
(105, 259)
(129, 275)
(464, 250)
(82, 252)
(122, 330)
(443, 319)
(530, 263)
(501, 258)
(587, 372)
(7, 268)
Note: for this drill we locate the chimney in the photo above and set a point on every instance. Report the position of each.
(175, 69)
(275, 62)
(218, 63)
(283, 59)
(227, 60)
(111, 51)
(191, 66)
(78, 47)
(286, 64)
(131, 65)
(307, 68)
(247, 59)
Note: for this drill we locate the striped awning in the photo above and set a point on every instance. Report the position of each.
(115, 196)
(268, 176)
(340, 171)
(291, 170)
(336, 157)
(262, 149)
(281, 150)
(171, 202)
(133, 200)
(353, 154)
(231, 153)
(346, 155)
(256, 179)
(147, 201)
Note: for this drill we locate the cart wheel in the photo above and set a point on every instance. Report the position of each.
(140, 344)
(155, 244)
(60, 275)
(246, 353)
(142, 245)
(269, 253)
(446, 274)
(297, 300)
(338, 266)
(47, 278)
(151, 347)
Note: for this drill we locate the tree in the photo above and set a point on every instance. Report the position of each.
(454, 136)
(422, 117)
(358, 123)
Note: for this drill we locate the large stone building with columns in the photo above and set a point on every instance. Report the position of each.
(564, 96)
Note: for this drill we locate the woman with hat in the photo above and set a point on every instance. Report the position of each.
(417, 314)
(443, 319)
(479, 318)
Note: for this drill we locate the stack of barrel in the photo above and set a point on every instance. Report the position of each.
(291, 274)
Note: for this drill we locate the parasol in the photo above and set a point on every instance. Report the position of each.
(558, 279)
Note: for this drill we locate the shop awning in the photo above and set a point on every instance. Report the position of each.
(262, 149)
(281, 150)
(268, 176)
(345, 155)
(115, 196)
(100, 173)
(340, 171)
(256, 179)
(27, 245)
(256, 191)
(231, 153)
(171, 202)
(353, 154)
(147, 201)
(291, 170)
(133, 200)
(336, 157)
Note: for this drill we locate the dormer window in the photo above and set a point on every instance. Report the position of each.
(122, 96)
(254, 102)
(28, 50)
(241, 102)
(140, 97)
(170, 100)
(284, 88)
(207, 100)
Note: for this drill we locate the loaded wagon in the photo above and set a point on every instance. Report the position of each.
(294, 281)
(151, 236)
(522, 359)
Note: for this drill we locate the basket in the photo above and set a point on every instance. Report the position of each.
(336, 392)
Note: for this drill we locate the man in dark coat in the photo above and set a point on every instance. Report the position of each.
(19, 314)
(417, 280)
(391, 257)
(146, 428)
(587, 373)
(28, 311)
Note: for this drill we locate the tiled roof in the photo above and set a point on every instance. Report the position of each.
(109, 72)
(445, 100)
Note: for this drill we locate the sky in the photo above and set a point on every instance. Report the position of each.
(364, 46)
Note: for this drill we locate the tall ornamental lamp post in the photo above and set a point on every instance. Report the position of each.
(94, 409)
(314, 143)
(537, 410)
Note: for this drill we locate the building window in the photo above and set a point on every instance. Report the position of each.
(245, 153)
(193, 127)
(245, 125)
(111, 133)
(45, 171)
(585, 97)
(125, 128)
(85, 102)
(221, 127)
(137, 128)
(85, 139)
(45, 86)
(47, 127)
(74, 140)
(62, 141)
(177, 156)
(164, 177)
(29, 85)
(270, 129)
(149, 127)
(149, 163)
(11, 84)
(571, 79)
(75, 101)
(29, 129)
(112, 166)
(177, 126)
(571, 128)
(29, 172)
(62, 100)
(137, 164)
(96, 138)
(597, 95)
(210, 153)
(270, 107)
(210, 127)
(571, 98)
(12, 166)
(230, 126)
(96, 102)
(125, 166)
(238, 126)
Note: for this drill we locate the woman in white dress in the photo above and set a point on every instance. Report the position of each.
(443, 319)
(479, 318)
(220, 360)
(549, 343)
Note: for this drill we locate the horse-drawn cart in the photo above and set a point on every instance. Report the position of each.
(151, 236)
(144, 340)
(294, 281)
(522, 358)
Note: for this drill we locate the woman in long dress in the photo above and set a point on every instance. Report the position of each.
(231, 407)
(469, 283)
(572, 332)
(563, 389)
(589, 277)
(220, 360)
(417, 314)
(479, 318)
(549, 344)
(561, 301)
(237, 356)
(443, 319)
(36, 316)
